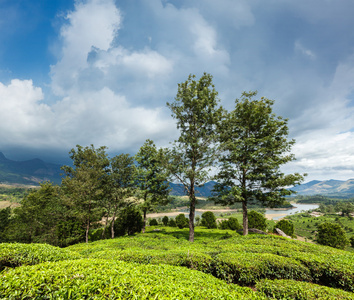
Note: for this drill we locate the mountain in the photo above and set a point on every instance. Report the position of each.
(30, 172)
(204, 191)
(327, 188)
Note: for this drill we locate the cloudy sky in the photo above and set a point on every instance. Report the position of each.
(101, 71)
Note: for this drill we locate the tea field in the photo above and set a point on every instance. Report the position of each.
(162, 264)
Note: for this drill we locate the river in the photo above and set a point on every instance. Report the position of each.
(298, 207)
(270, 214)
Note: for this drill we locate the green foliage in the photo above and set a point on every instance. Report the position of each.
(172, 223)
(129, 221)
(5, 215)
(256, 220)
(181, 221)
(14, 255)
(291, 289)
(332, 235)
(165, 220)
(84, 183)
(232, 224)
(153, 222)
(197, 113)
(38, 217)
(352, 241)
(151, 177)
(286, 226)
(102, 279)
(208, 220)
(119, 186)
(254, 146)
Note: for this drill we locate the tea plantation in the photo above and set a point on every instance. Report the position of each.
(164, 265)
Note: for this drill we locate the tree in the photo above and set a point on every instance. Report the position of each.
(37, 219)
(121, 185)
(254, 146)
(84, 183)
(129, 221)
(196, 110)
(181, 221)
(331, 234)
(5, 215)
(256, 220)
(208, 220)
(151, 180)
(165, 220)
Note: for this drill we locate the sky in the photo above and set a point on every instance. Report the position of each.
(101, 71)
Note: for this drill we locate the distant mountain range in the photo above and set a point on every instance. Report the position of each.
(34, 171)
(335, 188)
(29, 172)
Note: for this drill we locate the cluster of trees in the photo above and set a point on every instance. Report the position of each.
(247, 145)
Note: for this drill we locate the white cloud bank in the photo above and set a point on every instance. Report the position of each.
(119, 63)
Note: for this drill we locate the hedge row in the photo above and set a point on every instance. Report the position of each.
(103, 279)
(290, 289)
(14, 255)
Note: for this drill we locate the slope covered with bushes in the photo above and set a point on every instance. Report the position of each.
(163, 264)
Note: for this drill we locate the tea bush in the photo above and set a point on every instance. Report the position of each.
(102, 279)
(14, 255)
(290, 289)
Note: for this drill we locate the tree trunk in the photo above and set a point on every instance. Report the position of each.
(112, 223)
(105, 226)
(87, 229)
(144, 223)
(245, 217)
(191, 212)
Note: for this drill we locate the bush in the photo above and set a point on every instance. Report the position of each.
(182, 221)
(352, 241)
(128, 222)
(107, 279)
(165, 220)
(208, 220)
(333, 235)
(153, 222)
(256, 220)
(286, 226)
(290, 289)
(172, 223)
(232, 224)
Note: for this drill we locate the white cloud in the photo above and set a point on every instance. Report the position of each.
(306, 52)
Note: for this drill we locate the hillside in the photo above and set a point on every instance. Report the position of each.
(162, 264)
(29, 172)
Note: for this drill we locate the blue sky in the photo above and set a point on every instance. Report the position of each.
(101, 71)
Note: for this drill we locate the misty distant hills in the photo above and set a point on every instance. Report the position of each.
(204, 191)
(29, 172)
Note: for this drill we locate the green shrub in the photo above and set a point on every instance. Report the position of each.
(231, 224)
(352, 241)
(165, 220)
(103, 279)
(286, 226)
(248, 268)
(153, 222)
(290, 289)
(208, 220)
(333, 235)
(128, 222)
(172, 223)
(182, 221)
(256, 220)
(14, 255)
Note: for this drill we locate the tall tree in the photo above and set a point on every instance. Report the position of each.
(122, 184)
(84, 182)
(197, 113)
(254, 146)
(152, 178)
